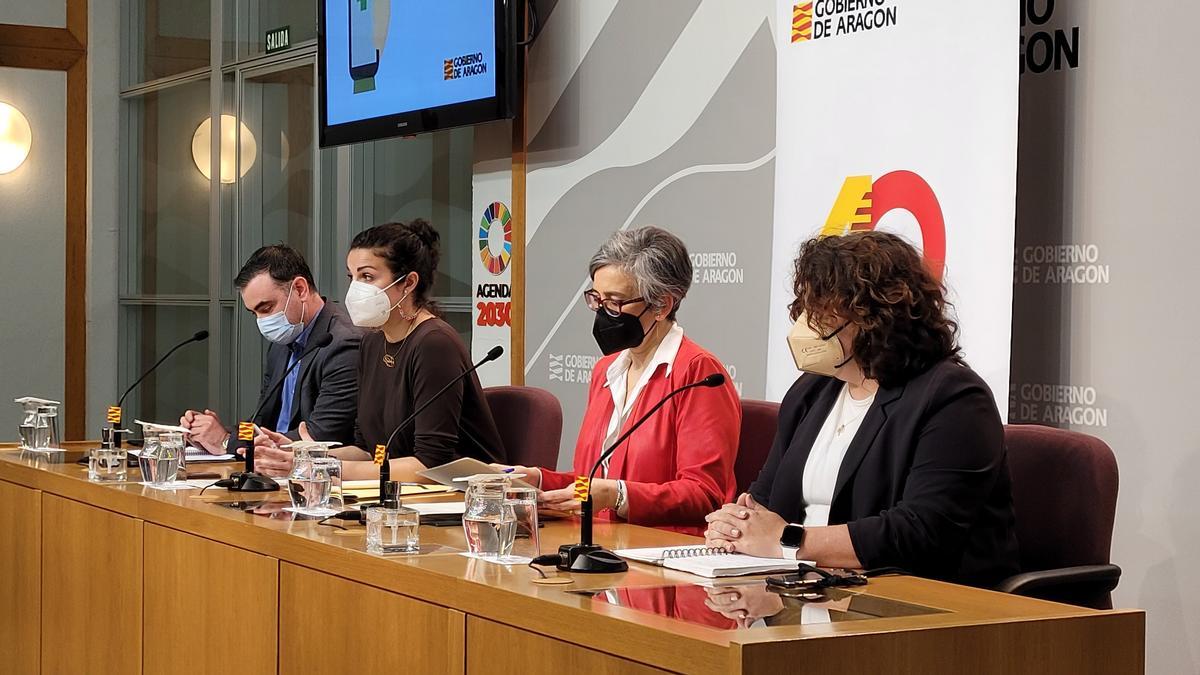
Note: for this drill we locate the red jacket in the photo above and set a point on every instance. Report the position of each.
(678, 467)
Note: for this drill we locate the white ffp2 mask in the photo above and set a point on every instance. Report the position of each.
(368, 305)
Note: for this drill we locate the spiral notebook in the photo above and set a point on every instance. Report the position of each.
(708, 562)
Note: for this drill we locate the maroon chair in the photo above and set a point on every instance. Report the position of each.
(530, 424)
(1064, 488)
(759, 421)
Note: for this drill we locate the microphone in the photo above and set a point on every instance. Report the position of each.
(586, 556)
(384, 469)
(114, 412)
(250, 480)
(493, 354)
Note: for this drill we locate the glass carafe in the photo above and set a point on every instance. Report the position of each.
(161, 458)
(488, 519)
(309, 482)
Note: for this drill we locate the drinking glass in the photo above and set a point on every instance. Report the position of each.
(331, 467)
(523, 501)
(393, 530)
(107, 464)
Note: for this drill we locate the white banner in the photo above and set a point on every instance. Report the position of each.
(901, 115)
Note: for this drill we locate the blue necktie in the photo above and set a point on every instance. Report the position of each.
(289, 390)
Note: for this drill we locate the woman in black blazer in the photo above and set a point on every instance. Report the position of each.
(890, 450)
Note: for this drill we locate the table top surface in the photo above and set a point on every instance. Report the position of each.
(441, 575)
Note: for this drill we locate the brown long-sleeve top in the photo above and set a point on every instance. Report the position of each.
(457, 424)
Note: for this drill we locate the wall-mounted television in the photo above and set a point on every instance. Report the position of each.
(404, 67)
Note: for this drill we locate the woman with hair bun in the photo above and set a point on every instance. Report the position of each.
(409, 356)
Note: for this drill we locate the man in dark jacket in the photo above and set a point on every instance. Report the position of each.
(277, 286)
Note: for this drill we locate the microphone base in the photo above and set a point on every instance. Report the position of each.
(252, 481)
(589, 559)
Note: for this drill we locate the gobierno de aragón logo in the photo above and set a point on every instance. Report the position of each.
(820, 19)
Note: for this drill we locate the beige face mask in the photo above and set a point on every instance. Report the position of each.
(816, 354)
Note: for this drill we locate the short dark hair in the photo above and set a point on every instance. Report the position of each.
(281, 261)
(878, 282)
(407, 247)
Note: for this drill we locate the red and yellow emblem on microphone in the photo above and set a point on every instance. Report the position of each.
(583, 486)
(245, 431)
(380, 453)
(114, 414)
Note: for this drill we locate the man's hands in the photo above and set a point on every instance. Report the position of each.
(207, 431)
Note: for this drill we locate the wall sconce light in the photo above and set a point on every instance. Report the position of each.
(202, 148)
(15, 138)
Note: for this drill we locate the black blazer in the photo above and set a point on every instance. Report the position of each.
(326, 394)
(924, 484)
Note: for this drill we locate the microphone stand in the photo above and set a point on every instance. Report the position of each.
(250, 480)
(114, 412)
(384, 468)
(586, 556)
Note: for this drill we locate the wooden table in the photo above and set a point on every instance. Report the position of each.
(121, 578)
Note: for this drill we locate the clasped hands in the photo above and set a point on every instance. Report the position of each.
(745, 527)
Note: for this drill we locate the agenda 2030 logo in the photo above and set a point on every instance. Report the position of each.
(863, 202)
(495, 254)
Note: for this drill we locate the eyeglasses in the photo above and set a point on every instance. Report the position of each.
(611, 307)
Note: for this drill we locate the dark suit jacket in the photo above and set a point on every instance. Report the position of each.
(924, 484)
(326, 395)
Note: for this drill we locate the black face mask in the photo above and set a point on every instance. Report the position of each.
(614, 333)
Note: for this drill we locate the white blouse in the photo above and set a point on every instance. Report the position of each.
(825, 458)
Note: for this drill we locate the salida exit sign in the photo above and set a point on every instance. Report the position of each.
(279, 38)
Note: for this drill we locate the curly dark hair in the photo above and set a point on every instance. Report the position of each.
(877, 282)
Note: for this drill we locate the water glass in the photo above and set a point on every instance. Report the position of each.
(393, 530)
(331, 467)
(28, 436)
(488, 521)
(107, 464)
(523, 501)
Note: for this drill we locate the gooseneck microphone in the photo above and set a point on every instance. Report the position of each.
(114, 412)
(198, 336)
(586, 556)
(384, 469)
(250, 480)
(493, 354)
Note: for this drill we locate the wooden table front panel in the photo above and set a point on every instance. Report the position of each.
(1108, 645)
(92, 595)
(20, 577)
(496, 648)
(209, 607)
(330, 625)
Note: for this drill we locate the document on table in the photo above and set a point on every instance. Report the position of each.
(707, 562)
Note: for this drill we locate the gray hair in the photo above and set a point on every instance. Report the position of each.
(656, 259)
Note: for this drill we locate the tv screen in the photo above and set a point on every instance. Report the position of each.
(403, 67)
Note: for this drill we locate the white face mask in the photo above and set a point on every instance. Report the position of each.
(368, 305)
(277, 328)
(814, 353)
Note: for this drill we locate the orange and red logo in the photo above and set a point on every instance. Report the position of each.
(863, 202)
(802, 21)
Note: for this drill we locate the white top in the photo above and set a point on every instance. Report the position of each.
(615, 381)
(825, 458)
